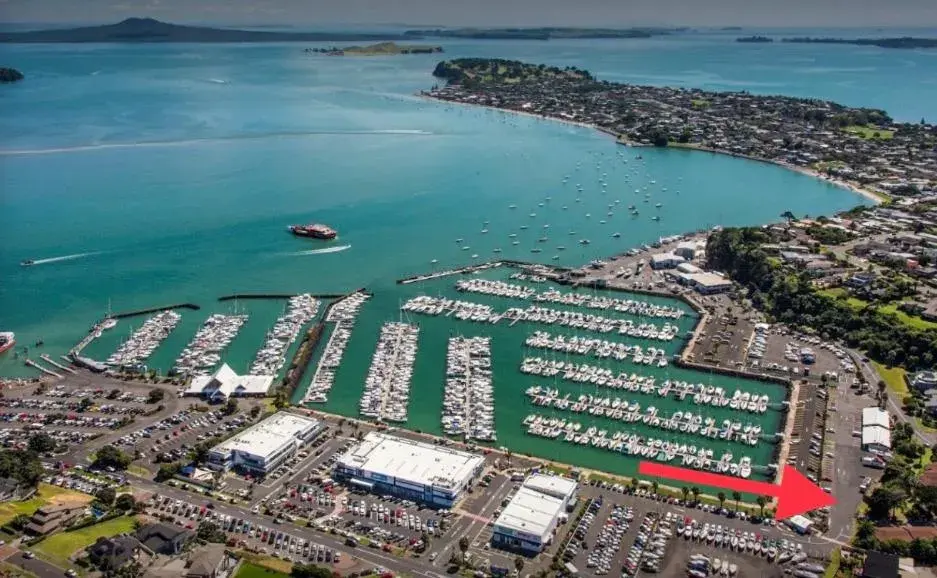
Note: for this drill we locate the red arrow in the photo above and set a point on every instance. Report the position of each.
(796, 494)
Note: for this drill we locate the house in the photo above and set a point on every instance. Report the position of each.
(50, 518)
(211, 561)
(225, 383)
(860, 280)
(12, 490)
(666, 261)
(879, 565)
(113, 553)
(163, 538)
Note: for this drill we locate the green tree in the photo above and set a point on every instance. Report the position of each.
(255, 411)
(722, 498)
(737, 496)
(156, 395)
(106, 496)
(695, 491)
(20, 521)
(210, 532)
(125, 502)
(761, 501)
(230, 406)
(167, 471)
(111, 457)
(41, 443)
(463, 547)
(685, 491)
(654, 487)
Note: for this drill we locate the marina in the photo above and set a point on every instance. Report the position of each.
(343, 314)
(684, 422)
(142, 342)
(698, 393)
(689, 456)
(203, 353)
(598, 348)
(468, 400)
(387, 387)
(301, 309)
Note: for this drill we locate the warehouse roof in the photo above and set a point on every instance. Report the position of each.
(531, 512)
(268, 436)
(875, 416)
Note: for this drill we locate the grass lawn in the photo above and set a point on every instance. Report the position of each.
(265, 562)
(46, 494)
(842, 295)
(8, 570)
(870, 131)
(139, 471)
(923, 428)
(894, 378)
(833, 568)
(248, 570)
(58, 548)
(912, 321)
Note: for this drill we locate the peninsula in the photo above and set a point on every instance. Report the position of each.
(754, 39)
(150, 30)
(379, 49)
(550, 33)
(905, 42)
(8, 75)
(861, 148)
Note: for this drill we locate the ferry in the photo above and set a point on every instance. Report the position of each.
(315, 231)
(7, 340)
(27, 263)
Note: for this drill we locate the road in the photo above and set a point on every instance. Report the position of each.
(36, 566)
(894, 406)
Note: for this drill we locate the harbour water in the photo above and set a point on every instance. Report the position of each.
(149, 175)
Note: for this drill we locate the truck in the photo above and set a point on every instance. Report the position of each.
(873, 462)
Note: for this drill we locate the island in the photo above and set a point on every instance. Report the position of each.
(754, 39)
(548, 33)
(859, 148)
(905, 42)
(151, 30)
(8, 75)
(379, 49)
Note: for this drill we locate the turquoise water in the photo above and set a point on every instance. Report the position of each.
(148, 175)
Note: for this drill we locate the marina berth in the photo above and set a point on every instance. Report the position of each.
(387, 386)
(343, 314)
(141, 344)
(630, 411)
(683, 454)
(203, 353)
(598, 348)
(698, 393)
(301, 309)
(591, 301)
(468, 400)
(529, 278)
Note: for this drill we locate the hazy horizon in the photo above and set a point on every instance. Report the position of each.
(909, 14)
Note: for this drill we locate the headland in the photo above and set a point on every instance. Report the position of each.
(543, 33)
(379, 49)
(905, 42)
(8, 75)
(862, 149)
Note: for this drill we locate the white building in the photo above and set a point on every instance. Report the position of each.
(666, 261)
(415, 470)
(688, 249)
(875, 416)
(528, 522)
(225, 383)
(876, 430)
(264, 446)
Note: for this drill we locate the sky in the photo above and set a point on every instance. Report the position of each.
(760, 13)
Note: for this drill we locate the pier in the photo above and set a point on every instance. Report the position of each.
(300, 362)
(448, 272)
(45, 357)
(250, 296)
(33, 364)
(86, 340)
(137, 312)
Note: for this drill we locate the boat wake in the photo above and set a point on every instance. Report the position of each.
(215, 140)
(323, 251)
(63, 258)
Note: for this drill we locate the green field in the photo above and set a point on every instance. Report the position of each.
(273, 567)
(44, 495)
(870, 132)
(842, 294)
(248, 570)
(894, 378)
(58, 548)
(910, 320)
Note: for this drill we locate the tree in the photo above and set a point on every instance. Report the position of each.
(736, 496)
(654, 487)
(199, 453)
(255, 411)
(113, 394)
(167, 471)
(685, 491)
(518, 564)
(788, 216)
(111, 457)
(155, 396)
(695, 491)
(210, 532)
(23, 466)
(106, 496)
(634, 484)
(761, 501)
(230, 406)
(463, 546)
(722, 498)
(20, 521)
(125, 502)
(41, 443)
(309, 571)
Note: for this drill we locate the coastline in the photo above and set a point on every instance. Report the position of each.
(623, 140)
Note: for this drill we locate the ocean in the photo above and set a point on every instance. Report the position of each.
(146, 175)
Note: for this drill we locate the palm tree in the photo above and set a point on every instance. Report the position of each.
(695, 491)
(722, 499)
(654, 487)
(685, 491)
(736, 496)
(761, 501)
(463, 546)
(634, 485)
(519, 564)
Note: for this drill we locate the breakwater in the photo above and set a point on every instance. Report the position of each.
(137, 312)
(249, 296)
(300, 362)
(448, 272)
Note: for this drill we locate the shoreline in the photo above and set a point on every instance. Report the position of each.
(622, 140)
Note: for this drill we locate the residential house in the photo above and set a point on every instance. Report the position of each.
(12, 490)
(113, 553)
(50, 518)
(163, 538)
(211, 561)
(924, 381)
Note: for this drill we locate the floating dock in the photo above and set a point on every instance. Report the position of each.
(31, 363)
(249, 296)
(137, 312)
(45, 357)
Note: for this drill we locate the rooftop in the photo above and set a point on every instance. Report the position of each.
(531, 512)
(875, 416)
(555, 486)
(268, 436)
(874, 434)
(227, 383)
(411, 461)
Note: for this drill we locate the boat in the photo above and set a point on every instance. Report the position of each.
(584, 241)
(7, 340)
(314, 231)
(434, 261)
(512, 206)
(27, 263)
(655, 218)
(616, 235)
(109, 323)
(497, 251)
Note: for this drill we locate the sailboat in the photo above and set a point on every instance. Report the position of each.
(109, 322)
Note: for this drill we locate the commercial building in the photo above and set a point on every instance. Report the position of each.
(704, 283)
(799, 524)
(264, 446)
(225, 383)
(414, 470)
(876, 430)
(924, 381)
(528, 522)
(666, 261)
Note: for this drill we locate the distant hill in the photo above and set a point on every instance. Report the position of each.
(538, 33)
(150, 30)
(379, 49)
(8, 75)
(903, 42)
(754, 39)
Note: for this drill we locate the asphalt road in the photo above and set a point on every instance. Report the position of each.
(36, 566)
